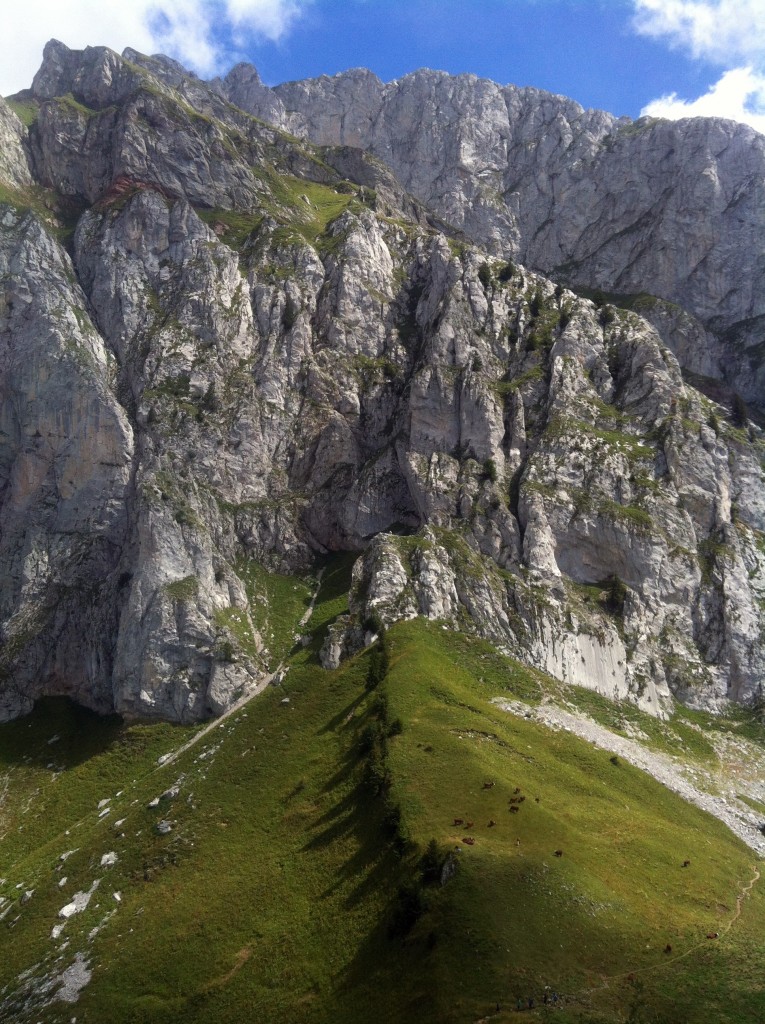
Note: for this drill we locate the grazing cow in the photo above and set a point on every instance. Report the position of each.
(713, 935)
(517, 789)
(521, 799)
(469, 824)
(468, 841)
(459, 821)
(488, 785)
(686, 863)
(492, 823)
(513, 810)
(537, 799)
(668, 948)
(559, 853)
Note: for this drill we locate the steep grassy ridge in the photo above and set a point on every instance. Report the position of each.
(291, 886)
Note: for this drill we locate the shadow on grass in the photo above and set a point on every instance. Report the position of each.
(57, 729)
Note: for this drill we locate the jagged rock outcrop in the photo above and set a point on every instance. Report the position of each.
(674, 209)
(256, 352)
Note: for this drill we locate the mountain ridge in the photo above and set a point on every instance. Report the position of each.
(287, 354)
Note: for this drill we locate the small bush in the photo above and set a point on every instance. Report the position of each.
(484, 275)
(490, 470)
(739, 412)
(606, 316)
(396, 727)
(507, 273)
(617, 595)
(477, 364)
(378, 660)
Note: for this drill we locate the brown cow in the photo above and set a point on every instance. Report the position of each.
(488, 785)
(668, 948)
(492, 823)
(517, 789)
(559, 853)
(513, 810)
(713, 935)
(468, 841)
(686, 863)
(459, 821)
(469, 824)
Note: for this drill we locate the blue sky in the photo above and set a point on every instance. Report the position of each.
(667, 57)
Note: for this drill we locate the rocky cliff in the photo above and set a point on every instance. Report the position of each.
(223, 346)
(672, 209)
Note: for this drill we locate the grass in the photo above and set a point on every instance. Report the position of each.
(26, 109)
(277, 603)
(183, 590)
(677, 737)
(273, 896)
(303, 209)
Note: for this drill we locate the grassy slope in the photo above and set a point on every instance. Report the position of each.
(272, 897)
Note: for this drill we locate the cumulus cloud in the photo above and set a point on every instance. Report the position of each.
(721, 31)
(739, 95)
(189, 30)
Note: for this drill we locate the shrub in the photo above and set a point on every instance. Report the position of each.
(617, 595)
(507, 273)
(490, 470)
(606, 316)
(378, 663)
(484, 275)
(739, 412)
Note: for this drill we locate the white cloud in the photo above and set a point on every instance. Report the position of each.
(189, 30)
(721, 31)
(739, 95)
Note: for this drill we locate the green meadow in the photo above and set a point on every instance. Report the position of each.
(301, 876)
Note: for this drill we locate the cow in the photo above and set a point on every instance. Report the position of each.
(459, 821)
(559, 853)
(513, 810)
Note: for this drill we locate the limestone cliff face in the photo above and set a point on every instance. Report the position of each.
(675, 209)
(220, 345)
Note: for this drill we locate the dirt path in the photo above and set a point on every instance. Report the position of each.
(260, 686)
(608, 979)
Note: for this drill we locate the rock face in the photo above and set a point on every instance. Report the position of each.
(220, 345)
(675, 209)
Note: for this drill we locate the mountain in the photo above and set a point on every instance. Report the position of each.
(226, 347)
(429, 413)
(669, 208)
